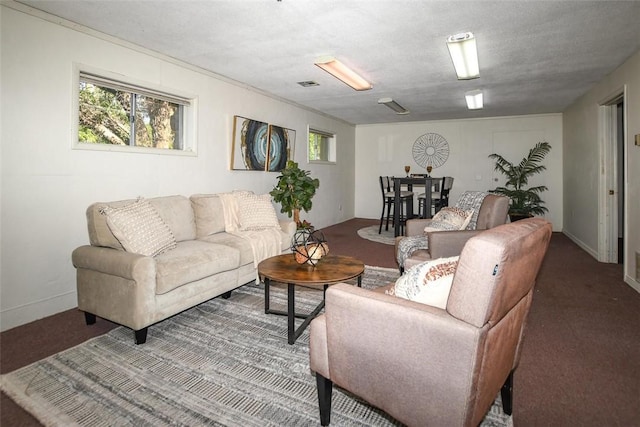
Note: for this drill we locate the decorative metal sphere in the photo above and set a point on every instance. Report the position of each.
(309, 246)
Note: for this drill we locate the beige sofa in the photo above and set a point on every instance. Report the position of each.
(137, 291)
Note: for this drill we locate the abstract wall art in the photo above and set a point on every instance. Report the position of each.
(260, 146)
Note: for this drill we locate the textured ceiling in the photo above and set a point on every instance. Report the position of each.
(535, 56)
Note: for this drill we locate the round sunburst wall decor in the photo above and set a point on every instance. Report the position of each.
(430, 149)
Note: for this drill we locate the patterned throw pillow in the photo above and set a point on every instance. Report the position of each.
(139, 228)
(428, 283)
(471, 201)
(456, 217)
(256, 212)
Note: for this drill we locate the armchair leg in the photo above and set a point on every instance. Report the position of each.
(325, 388)
(506, 393)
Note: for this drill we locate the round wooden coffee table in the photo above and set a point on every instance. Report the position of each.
(284, 268)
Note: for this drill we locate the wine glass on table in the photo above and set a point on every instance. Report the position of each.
(407, 169)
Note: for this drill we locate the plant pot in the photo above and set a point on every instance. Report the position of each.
(517, 217)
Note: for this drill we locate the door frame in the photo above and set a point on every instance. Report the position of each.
(608, 206)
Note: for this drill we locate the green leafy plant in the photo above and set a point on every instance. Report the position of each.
(294, 191)
(525, 202)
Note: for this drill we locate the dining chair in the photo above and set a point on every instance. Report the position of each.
(439, 197)
(388, 196)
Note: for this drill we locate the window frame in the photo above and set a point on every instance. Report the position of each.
(331, 146)
(121, 82)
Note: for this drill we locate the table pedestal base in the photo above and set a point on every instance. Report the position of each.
(292, 332)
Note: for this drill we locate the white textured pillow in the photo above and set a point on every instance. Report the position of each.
(457, 217)
(439, 226)
(139, 228)
(428, 283)
(256, 212)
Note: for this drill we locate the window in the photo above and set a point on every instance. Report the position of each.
(116, 114)
(322, 146)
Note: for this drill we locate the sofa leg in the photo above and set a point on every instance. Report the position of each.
(506, 393)
(325, 388)
(226, 295)
(141, 336)
(89, 318)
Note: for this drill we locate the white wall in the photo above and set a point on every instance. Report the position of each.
(582, 151)
(386, 148)
(47, 186)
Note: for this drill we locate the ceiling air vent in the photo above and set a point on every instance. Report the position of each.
(309, 83)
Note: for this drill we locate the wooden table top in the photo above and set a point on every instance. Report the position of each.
(330, 269)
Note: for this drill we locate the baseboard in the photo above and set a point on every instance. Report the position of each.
(633, 283)
(22, 314)
(583, 246)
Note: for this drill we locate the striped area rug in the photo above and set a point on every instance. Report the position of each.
(222, 363)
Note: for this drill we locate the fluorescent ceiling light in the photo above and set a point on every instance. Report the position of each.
(399, 109)
(343, 73)
(462, 48)
(474, 99)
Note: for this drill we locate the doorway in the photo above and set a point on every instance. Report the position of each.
(612, 206)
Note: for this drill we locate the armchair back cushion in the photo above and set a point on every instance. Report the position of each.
(493, 212)
(506, 276)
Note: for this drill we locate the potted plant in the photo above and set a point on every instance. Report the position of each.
(525, 202)
(294, 191)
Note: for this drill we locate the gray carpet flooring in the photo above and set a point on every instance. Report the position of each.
(222, 363)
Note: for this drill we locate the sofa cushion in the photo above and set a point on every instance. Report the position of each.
(208, 213)
(256, 212)
(177, 212)
(139, 228)
(427, 283)
(243, 245)
(193, 260)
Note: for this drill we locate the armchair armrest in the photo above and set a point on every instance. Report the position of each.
(415, 227)
(365, 334)
(448, 243)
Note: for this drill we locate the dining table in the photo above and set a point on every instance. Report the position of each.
(410, 181)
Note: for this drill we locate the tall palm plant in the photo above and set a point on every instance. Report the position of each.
(525, 202)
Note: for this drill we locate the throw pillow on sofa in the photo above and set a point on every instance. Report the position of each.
(139, 228)
(428, 283)
(256, 212)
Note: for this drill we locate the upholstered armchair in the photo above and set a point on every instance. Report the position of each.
(492, 212)
(431, 366)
